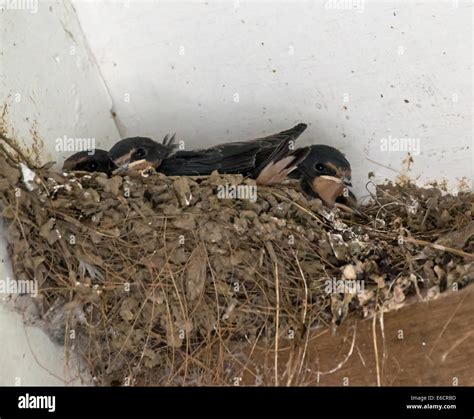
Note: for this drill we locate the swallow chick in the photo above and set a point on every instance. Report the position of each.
(268, 160)
(84, 161)
(139, 153)
(278, 156)
(324, 173)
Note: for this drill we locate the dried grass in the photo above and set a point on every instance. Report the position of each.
(154, 280)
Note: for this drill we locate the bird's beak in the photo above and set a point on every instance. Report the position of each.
(120, 169)
(121, 162)
(138, 165)
(331, 178)
(345, 180)
(128, 166)
(329, 188)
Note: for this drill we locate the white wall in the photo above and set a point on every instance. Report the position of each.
(29, 358)
(52, 86)
(292, 62)
(50, 80)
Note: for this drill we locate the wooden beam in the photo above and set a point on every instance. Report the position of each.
(422, 344)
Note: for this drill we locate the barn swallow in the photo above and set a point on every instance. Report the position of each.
(138, 153)
(268, 159)
(84, 161)
(325, 173)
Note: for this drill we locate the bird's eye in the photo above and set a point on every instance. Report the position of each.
(319, 167)
(140, 152)
(92, 165)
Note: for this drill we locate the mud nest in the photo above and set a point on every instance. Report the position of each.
(155, 280)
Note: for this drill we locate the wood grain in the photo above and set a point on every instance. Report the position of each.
(424, 343)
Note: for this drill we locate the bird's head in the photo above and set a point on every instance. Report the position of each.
(89, 161)
(138, 153)
(327, 172)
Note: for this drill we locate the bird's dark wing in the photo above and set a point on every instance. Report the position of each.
(169, 141)
(267, 149)
(238, 157)
(233, 158)
(278, 146)
(248, 158)
(292, 134)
